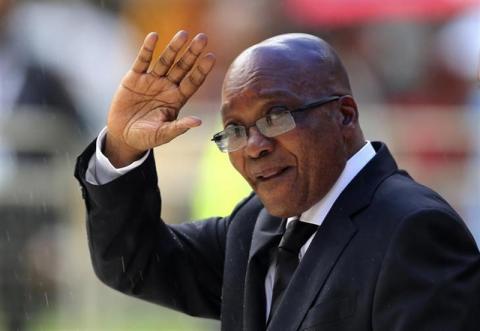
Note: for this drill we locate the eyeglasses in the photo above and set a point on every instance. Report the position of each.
(234, 137)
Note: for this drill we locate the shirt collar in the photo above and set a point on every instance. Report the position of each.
(317, 213)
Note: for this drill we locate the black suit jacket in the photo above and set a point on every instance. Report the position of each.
(391, 255)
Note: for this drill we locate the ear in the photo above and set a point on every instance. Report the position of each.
(349, 125)
(348, 111)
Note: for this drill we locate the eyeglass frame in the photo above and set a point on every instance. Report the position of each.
(309, 106)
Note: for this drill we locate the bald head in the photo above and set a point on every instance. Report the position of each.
(308, 60)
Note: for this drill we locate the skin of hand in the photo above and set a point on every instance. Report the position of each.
(144, 110)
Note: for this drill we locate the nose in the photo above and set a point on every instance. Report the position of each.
(257, 144)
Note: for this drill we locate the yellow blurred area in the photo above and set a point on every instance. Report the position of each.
(165, 17)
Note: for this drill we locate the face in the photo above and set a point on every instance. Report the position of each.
(293, 171)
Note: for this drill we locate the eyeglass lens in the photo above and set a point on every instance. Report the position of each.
(235, 137)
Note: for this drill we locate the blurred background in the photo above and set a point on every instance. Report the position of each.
(414, 67)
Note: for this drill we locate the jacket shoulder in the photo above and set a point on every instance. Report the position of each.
(401, 195)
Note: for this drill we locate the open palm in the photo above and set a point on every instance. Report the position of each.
(144, 110)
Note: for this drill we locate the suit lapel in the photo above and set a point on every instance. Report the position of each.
(267, 234)
(267, 229)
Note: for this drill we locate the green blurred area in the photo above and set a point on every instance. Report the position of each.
(219, 186)
(135, 316)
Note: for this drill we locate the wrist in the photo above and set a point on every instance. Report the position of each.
(119, 153)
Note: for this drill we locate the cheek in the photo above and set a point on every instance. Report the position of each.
(320, 160)
(238, 163)
(326, 164)
(235, 160)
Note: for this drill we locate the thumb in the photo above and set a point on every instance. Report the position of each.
(188, 122)
(180, 126)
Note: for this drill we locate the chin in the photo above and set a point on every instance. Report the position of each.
(279, 212)
(280, 207)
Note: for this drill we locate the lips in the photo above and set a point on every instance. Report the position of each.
(267, 174)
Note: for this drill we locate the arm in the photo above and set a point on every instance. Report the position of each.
(100, 170)
(133, 251)
(131, 248)
(430, 278)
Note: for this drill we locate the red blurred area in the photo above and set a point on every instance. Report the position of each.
(338, 13)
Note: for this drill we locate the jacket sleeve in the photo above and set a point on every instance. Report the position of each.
(135, 252)
(430, 277)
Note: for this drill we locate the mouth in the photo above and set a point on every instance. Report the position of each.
(270, 174)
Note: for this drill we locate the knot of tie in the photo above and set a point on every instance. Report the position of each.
(295, 236)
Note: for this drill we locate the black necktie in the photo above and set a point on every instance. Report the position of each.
(295, 236)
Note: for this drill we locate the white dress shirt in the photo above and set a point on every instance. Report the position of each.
(101, 171)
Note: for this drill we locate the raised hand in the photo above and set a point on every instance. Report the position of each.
(144, 110)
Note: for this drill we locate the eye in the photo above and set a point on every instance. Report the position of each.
(230, 127)
(234, 130)
(274, 114)
(277, 109)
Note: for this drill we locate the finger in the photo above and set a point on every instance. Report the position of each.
(197, 76)
(167, 58)
(187, 60)
(144, 57)
(175, 128)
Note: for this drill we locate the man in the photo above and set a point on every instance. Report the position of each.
(383, 253)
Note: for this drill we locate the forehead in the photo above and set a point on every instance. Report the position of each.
(259, 93)
(255, 79)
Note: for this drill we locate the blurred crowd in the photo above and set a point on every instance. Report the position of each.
(414, 75)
